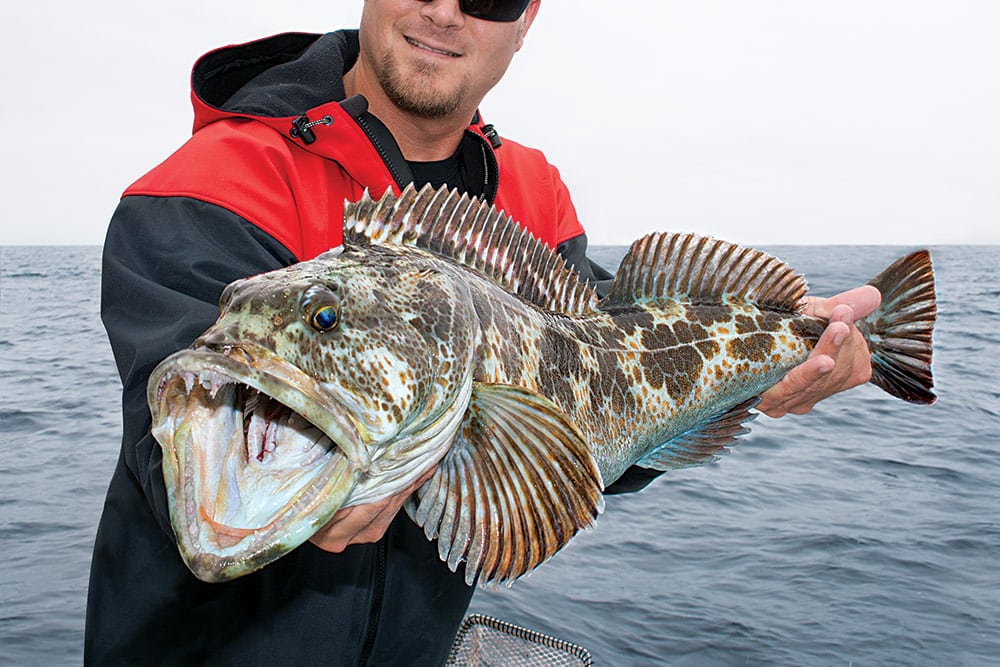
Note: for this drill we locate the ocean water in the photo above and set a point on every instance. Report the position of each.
(864, 533)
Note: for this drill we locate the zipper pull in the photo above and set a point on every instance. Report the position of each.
(491, 133)
(302, 128)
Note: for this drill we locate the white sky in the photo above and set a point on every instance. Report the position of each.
(763, 121)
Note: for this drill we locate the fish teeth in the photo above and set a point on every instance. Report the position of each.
(188, 378)
(255, 432)
(212, 381)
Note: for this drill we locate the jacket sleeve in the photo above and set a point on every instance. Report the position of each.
(574, 251)
(166, 262)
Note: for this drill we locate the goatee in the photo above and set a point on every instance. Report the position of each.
(411, 96)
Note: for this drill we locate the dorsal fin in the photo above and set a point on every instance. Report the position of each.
(700, 269)
(474, 234)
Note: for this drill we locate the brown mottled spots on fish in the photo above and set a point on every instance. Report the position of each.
(640, 319)
(559, 363)
(653, 372)
(745, 324)
(755, 347)
(688, 361)
(687, 364)
(763, 342)
(708, 348)
(768, 321)
(707, 314)
(617, 399)
(737, 348)
(659, 337)
(807, 329)
(683, 332)
(642, 391)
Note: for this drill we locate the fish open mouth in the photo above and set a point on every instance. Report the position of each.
(257, 456)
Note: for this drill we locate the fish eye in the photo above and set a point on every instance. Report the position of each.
(324, 318)
(320, 307)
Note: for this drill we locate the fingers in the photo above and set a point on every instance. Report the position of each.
(861, 300)
(790, 394)
(839, 361)
(352, 526)
(362, 524)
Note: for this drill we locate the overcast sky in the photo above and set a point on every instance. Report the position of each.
(758, 121)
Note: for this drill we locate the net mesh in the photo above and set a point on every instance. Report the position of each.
(484, 641)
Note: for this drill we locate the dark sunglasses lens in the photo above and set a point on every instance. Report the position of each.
(504, 11)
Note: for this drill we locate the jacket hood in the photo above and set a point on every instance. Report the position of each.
(277, 77)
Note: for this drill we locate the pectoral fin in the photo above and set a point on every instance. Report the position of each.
(516, 485)
(703, 442)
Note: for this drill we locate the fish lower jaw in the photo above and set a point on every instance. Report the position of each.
(220, 548)
(248, 478)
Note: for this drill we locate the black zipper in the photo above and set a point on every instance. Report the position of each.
(389, 163)
(490, 164)
(378, 592)
(379, 136)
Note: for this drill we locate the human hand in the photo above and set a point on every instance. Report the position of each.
(362, 524)
(839, 361)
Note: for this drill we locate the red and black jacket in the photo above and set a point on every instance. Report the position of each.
(285, 161)
(261, 184)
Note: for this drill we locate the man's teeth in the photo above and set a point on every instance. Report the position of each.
(420, 45)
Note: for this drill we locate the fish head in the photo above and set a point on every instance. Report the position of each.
(326, 384)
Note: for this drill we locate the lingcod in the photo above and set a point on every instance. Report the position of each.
(442, 336)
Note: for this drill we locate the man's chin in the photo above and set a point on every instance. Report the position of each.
(421, 93)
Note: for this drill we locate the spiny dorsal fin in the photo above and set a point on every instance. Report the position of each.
(700, 269)
(476, 235)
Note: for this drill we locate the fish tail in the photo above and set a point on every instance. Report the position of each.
(899, 332)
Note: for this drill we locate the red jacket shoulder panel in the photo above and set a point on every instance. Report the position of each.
(531, 191)
(248, 168)
(296, 193)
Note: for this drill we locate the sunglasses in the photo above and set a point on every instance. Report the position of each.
(502, 11)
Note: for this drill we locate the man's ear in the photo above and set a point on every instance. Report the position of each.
(527, 19)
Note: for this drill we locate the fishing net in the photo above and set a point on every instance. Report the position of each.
(484, 641)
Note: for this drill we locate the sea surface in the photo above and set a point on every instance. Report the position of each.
(864, 533)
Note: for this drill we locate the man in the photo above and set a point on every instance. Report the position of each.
(285, 129)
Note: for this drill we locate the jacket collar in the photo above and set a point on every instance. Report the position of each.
(293, 82)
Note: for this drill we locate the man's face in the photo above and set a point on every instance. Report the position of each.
(432, 60)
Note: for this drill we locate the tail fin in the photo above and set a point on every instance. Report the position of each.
(899, 332)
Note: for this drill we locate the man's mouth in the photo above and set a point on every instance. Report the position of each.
(431, 49)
